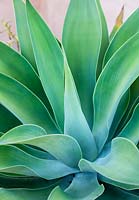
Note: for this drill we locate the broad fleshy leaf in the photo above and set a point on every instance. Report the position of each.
(50, 62)
(121, 110)
(113, 193)
(24, 194)
(16, 161)
(131, 130)
(60, 146)
(129, 28)
(107, 96)
(120, 164)
(75, 123)
(16, 66)
(82, 37)
(88, 184)
(24, 104)
(104, 40)
(14, 181)
(23, 32)
(83, 187)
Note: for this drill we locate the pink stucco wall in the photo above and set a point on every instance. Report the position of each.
(54, 11)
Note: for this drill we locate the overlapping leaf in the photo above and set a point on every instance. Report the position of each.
(119, 166)
(60, 146)
(49, 61)
(23, 32)
(75, 122)
(107, 96)
(82, 36)
(24, 104)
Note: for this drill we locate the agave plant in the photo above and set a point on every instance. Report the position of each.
(69, 112)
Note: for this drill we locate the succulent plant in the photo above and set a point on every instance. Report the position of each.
(69, 112)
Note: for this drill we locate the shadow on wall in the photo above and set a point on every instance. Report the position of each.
(54, 12)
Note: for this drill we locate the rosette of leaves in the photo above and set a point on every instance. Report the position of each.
(69, 112)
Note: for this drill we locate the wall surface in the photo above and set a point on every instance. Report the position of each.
(54, 11)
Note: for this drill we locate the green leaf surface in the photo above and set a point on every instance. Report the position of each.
(129, 28)
(16, 161)
(134, 100)
(113, 193)
(24, 104)
(24, 194)
(7, 120)
(120, 166)
(131, 130)
(34, 151)
(16, 66)
(121, 110)
(84, 187)
(82, 36)
(75, 123)
(23, 132)
(105, 38)
(49, 61)
(60, 146)
(107, 96)
(23, 32)
(9, 181)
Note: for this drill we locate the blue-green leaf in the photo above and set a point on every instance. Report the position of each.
(24, 104)
(129, 28)
(24, 194)
(60, 146)
(104, 40)
(131, 130)
(50, 62)
(16, 66)
(82, 37)
(16, 161)
(120, 164)
(113, 193)
(84, 186)
(107, 96)
(121, 110)
(23, 32)
(75, 123)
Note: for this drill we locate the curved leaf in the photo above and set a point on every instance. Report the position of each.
(129, 28)
(23, 132)
(9, 181)
(113, 193)
(105, 38)
(75, 123)
(49, 61)
(134, 100)
(23, 32)
(24, 104)
(60, 146)
(16, 161)
(7, 120)
(84, 187)
(106, 99)
(121, 110)
(16, 66)
(120, 166)
(82, 36)
(131, 130)
(22, 194)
